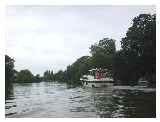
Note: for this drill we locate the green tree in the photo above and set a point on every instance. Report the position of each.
(52, 75)
(73, 72)
(139, 47)
(9, 69)
(9, 75)
(37, 78)
(25, 76)
(48, 75)
(121, 72)
(60, 76)
(79, 68)
(102, 53)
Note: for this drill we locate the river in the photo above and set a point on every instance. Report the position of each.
(51, 99)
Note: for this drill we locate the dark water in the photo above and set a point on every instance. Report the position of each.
(48, 99)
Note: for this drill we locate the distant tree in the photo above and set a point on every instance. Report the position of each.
(60, 76)
(52, 75)
(25, 76)
(79, 68)
(102, 53)
(73, 72)
(37, 78)
(48, 75)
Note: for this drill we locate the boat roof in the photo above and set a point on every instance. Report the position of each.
(97, 69)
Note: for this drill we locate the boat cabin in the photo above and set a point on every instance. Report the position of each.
(99, 73)
(97, 78)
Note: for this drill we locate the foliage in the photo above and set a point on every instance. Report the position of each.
(73, 73)
(24, 76)
(60, 76)
(139, 49)
(48, 75)
(9, 69)
(102, 53)
(79, 68)
(37, 78)
(9, 74)
(120, 69)
(105, 46)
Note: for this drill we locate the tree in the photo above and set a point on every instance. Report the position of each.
(102, 53)
(60, 76)
(139, 46)
(9, 69)
(106, 45)
(25, 76)
(52, 75)
(48, 75)
(121, 73)
(37, 78)
(9, 75)
(79, 68)
(73, 72)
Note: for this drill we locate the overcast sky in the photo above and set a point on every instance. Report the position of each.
(52, 37)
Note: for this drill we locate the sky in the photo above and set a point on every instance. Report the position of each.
(41, 38)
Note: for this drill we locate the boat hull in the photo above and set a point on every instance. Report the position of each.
(95, 84)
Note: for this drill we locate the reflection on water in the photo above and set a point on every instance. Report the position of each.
(47, 99)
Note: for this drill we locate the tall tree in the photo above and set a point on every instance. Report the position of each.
(102, 53)
(25, 76)
(9, 69)
(139, 46)
(9, 75)
(36, 78)
(80, 67)
(73, 72)
(121, 72)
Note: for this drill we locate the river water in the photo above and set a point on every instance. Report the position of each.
(50, 99)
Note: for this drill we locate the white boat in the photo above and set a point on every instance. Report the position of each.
(97, 78)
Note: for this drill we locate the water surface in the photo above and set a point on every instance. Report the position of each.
(50, 99)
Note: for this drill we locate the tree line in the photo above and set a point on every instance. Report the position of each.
(136, 59)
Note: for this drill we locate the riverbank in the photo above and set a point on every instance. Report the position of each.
(144, 89)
